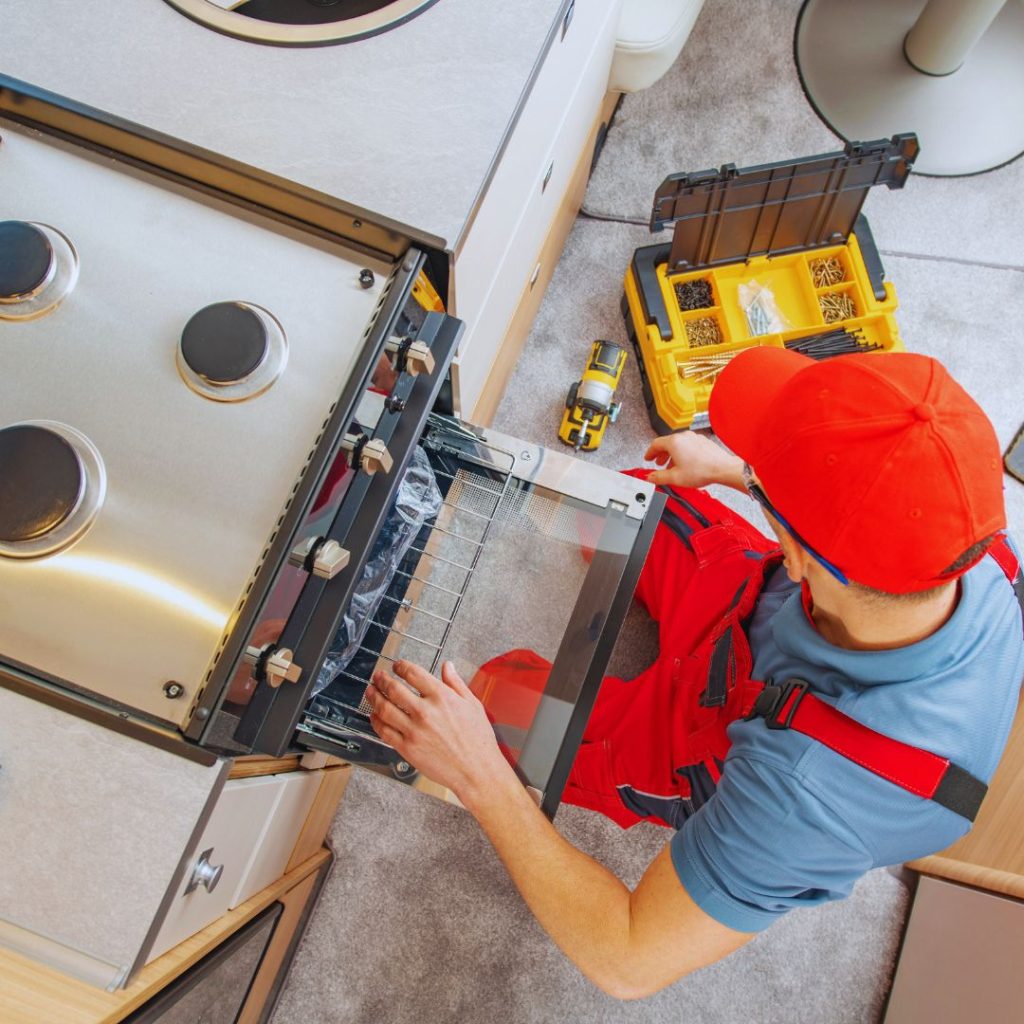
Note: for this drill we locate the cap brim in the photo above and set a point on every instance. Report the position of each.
(744, 393)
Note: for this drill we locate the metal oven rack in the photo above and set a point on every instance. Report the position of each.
(415, 616)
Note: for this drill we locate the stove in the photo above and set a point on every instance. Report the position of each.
(169, 362)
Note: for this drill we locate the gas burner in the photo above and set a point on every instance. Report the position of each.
(232, 351)
(301, 22)
(52, 484)
(38, 267)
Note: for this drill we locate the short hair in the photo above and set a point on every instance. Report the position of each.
(968, 558)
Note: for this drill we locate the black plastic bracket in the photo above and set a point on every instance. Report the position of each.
(869, 253)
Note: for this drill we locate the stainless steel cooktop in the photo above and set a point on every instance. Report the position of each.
(169, 360)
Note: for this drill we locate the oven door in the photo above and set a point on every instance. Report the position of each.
(521, 578)
(514, 562)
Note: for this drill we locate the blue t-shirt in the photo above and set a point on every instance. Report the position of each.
(794, 824)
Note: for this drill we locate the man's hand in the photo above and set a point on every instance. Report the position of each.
(693, 460)
(438, 725)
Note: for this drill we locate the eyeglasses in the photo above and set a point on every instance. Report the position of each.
(754, 490)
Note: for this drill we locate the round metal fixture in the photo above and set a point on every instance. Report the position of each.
(52, 484)
(301, 22)
(38, 267)
(231, 351)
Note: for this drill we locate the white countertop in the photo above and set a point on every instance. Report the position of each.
(405, 124)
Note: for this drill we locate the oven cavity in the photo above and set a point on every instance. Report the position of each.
(52, 484)
(38, 267)
(231, 351)
(301, 22)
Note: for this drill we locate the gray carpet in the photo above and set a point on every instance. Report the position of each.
(418, 921)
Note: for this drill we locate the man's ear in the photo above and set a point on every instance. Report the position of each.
(794, 557)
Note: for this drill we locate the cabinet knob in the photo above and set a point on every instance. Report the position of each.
(323, 558)
(204, 873)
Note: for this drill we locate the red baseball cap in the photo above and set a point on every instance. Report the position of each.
(881, 462)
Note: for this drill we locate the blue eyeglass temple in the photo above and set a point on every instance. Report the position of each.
(762, 499)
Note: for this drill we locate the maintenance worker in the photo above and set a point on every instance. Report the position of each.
(867, 667)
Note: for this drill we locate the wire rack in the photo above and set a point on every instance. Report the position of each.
(415, 616)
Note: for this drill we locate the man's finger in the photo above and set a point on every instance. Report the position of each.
(398, 696)
(387, 733)
(418, 677)
(452, 679)
(391, 713)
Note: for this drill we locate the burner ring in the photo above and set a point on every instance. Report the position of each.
(52, 485)
(42, 272)
(231, 351)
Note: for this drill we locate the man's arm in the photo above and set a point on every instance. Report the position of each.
(629, 944)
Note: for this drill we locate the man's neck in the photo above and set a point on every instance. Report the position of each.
(850, 620)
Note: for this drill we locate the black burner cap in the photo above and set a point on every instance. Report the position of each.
(25, 258)
(41, 481)
(225, 342)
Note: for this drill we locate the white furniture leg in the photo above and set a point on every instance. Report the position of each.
(963, 94)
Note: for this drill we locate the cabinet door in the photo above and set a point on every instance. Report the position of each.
(960, 962)
(219, 860)
(536, 201)
(95, 818)
(296, 792)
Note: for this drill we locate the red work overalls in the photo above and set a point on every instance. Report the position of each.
(655, 745)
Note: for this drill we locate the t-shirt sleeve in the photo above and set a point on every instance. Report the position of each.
(762, 845)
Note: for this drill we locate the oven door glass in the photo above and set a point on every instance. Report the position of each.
(521, 578)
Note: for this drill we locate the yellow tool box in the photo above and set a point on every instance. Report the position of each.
(777, 254)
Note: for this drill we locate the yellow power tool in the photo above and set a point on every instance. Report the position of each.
(590, 405)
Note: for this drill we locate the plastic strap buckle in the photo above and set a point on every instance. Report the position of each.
(774, 699)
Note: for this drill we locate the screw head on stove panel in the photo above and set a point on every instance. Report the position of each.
(41, 482)
(26, 260)
(224, 343)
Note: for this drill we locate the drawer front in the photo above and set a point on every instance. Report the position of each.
(510, 189)
(296, 792)
(522, 581)
(548, 185)
(219, 860)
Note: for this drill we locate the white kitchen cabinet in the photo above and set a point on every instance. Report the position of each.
(116, 847)
(499, 252)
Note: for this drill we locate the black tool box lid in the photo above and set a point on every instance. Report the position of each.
(731, 214)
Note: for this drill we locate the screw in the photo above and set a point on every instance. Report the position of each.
(357, 223)
(526, 456)
(395, 404)
(366, 277)
(173, 690)
(641, 498)
(203, 714)
(402, 766)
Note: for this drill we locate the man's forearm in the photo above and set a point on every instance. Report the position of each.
(582, 906)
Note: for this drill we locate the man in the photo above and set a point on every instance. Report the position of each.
(886, 622)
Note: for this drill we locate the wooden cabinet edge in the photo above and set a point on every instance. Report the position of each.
(1005, 883)
(250, 767)
(33, 994)
(518, 330)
